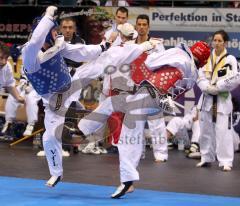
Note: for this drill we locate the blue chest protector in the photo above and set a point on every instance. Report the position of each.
(53, 77)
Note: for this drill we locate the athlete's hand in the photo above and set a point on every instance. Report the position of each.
(147, 46)
(105, 45)
(51, 12)
(212, 90)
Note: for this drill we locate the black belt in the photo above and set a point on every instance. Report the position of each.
(150, 88)
(230, 121)
(124, 91)
(151, 91)
(214, 109)
(59, 102)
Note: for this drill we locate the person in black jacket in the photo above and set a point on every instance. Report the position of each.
(68, 28)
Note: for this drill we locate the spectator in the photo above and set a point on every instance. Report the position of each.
(32, 98)
(6, 75)
(215, 105)
(179, 126)
(68, 28)
(112, 34)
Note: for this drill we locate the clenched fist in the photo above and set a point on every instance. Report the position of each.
(51, 12)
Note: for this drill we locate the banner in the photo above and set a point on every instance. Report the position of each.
(202, 19)
(190, 24)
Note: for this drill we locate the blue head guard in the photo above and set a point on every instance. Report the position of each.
(49, 38)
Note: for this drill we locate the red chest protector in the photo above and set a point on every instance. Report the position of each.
(162, 79)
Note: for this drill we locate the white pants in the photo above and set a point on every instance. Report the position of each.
(131, 144)
(157, 130)
(195, 131)
(236, 140)
(131, 137)
(137, 108)
(216, 139)
(31, 99)
(54, 119)
(177, 124)
(52, 142)
(54, 123)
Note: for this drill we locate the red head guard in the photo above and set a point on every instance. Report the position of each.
(201, 51)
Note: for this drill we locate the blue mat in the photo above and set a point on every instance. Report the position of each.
(28, 192)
